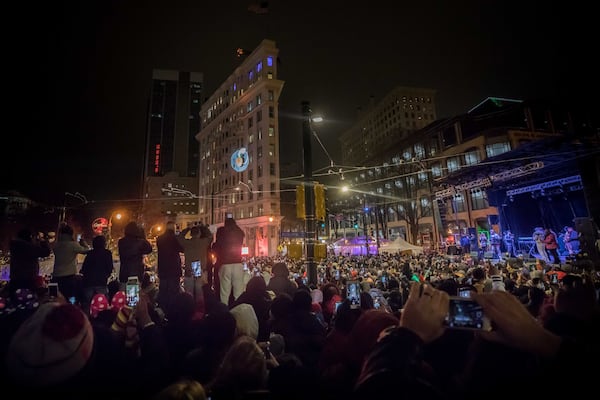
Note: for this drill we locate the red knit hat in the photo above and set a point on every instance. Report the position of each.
(51, 346)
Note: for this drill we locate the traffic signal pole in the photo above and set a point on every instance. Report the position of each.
(309, 198)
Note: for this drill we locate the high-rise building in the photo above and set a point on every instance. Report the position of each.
(239, 151)
(386, 122)
(171, 160)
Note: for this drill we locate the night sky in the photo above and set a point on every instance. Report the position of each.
(82, 72)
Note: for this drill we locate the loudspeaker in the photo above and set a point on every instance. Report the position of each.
(587, 234)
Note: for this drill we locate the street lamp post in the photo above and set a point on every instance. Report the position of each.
(309, 197)
(118, 216)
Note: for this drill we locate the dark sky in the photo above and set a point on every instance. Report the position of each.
(82, 71)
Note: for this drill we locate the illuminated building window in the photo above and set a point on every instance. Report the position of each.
(269, 61)
(271, 130)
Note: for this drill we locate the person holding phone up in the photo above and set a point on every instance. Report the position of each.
(65, 273)
(195, 249)
(397, 359)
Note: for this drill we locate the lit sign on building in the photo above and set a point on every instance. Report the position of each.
(240, 160)
(157, 158)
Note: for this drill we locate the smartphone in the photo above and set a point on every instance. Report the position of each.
(72, 300)
(78, 237)
(196, 269)
(464, 292)
(353, 293)
(337, 305)
(465, 313)
(53, 290)
(132, 291)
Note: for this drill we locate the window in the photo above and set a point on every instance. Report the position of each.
(436, 170)
(259, 100)
(250, 76)
(260, 191)
(272, 188)
(249, 106)
(495, 149)
(271, 95)
(271, 112)
(259, 116)
(425, 207)
(452, 164)
(269, 61)
(271, 150)
(472, 157)
(271, 131)
(419, 150)
(250, 212)
(259, 67)
(458, 203)
(259, 152)
(259, 133)
(250, 122)
(259, 171)
(250, 138)
(433, 147)
(478, 199)
(272, 169)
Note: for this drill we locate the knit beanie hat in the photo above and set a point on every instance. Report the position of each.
(51, 346)
(99, 303)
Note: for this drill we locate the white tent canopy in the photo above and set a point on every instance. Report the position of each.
(399, 245)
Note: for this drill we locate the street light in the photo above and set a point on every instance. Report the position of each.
(118, 216)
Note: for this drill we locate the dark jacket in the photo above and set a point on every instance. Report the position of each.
(97, 267)
(132, 249)
(24, 263)
(169, 260)
(228, 243)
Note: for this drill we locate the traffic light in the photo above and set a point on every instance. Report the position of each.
(319, 202)
(300, 202)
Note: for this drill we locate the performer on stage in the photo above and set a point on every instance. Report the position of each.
(495, 243)
(571, 239)
(551, 244)
(538, 238)
(509, 242)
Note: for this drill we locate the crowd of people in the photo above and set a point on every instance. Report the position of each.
(209, 323)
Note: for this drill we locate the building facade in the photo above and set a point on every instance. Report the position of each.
(171, 157)
(403, 191)
(239, 151)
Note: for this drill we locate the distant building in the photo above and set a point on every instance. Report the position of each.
(239, 151)
(171, 146)
(386, 122)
